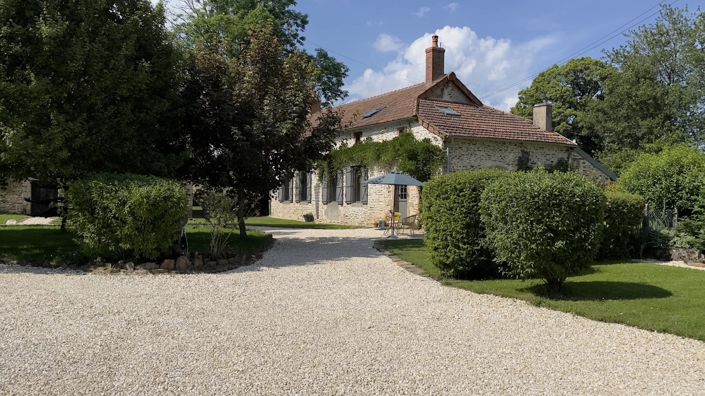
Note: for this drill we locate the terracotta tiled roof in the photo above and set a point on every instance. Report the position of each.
(473, 120)
(482, 122)
(394, 105)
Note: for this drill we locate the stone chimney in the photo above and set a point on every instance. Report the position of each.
(543, 116)
(434, 61)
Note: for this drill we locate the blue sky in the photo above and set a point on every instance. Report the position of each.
(494, 46)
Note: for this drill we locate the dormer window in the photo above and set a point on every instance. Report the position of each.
(371, 113)
(448, 111)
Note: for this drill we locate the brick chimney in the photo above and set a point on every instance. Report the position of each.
(434, 61)
(543, 116)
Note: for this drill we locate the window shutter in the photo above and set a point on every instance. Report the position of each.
(348, 185)
(324, 190)
(280, 194)
(297, 178)
(363, 186)
(291, 190)
(339, 188)
(309, 187)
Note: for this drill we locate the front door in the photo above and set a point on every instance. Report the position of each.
(401, 200)
(44, 198)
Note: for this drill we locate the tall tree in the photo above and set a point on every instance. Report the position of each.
(228, 21)
(250, 103)
(658, 96)
(224, 25)
(85, 86)
(573, 89)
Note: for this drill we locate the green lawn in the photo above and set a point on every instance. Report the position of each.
(5, 217)
(649, 296)
(281, 223)
(49, 245)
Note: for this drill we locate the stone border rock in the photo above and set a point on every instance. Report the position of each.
(180, 265)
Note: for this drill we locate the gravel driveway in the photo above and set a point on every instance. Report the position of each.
(322, 313)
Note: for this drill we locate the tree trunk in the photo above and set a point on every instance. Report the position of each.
(241, 212)
(63, 187)
(554, 284)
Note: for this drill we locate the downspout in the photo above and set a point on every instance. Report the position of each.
(449, 167)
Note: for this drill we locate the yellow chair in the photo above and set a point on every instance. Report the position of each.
(389, 223)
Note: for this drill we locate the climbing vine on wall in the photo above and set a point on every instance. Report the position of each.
(420, 159)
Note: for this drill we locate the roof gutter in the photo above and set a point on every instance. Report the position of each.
(379, 124)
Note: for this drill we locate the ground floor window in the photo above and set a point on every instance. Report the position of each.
(356, 184)
(403, 192)
(332, 186)
(285, 191)
(304, 187)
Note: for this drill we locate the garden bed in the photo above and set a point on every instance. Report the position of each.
(51, 247)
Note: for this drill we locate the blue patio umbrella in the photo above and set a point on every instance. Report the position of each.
(395, 179)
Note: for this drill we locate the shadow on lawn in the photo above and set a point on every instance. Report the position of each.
(600, 290)
(41, 245)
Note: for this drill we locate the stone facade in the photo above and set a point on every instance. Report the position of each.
(12, 197)
(469, 154)
(463, 154)
(379, 202)
(388, 132)
(449, 91)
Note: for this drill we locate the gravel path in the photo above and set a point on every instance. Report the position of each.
(322, 313)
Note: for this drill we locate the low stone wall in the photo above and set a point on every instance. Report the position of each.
(12, 197)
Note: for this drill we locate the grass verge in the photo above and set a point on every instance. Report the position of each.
(48, 245)
(648, 296)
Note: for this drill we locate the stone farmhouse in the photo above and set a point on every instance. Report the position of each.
(444, 110)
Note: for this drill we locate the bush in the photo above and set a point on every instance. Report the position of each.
(454, 234)
(544, 225)
(219, 208)
(691, 231)
(121, 216)
(673, 178)
(624, 215)
(308, 217)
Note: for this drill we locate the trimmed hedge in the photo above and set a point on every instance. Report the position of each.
(455, 235)
(624, 215)
(673, 178)
(126, 216)
(545, 225)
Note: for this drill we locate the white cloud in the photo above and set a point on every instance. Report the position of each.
(387, 43)
(452, 7)
(486, 65)
(422, 12)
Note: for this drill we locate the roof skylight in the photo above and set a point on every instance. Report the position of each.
(447, 111)
(372, 113)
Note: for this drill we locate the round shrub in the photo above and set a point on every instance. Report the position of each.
(126, 216)
(544, 225)
(673, 178)
(624, 215)
(454, 234)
